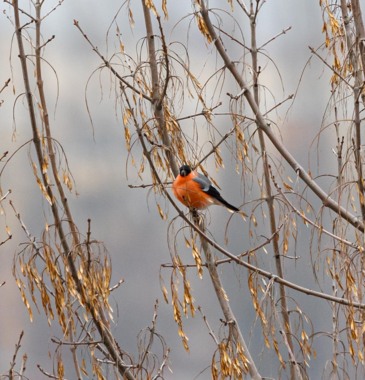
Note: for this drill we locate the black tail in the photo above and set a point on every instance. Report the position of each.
(225, 203)
(215, 194)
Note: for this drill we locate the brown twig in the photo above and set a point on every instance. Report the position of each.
(315, 225)
(313, 51)
(215, 146)
(211, 332)
(167, 64)
(47, 374)
(109, 65)
(284, 31)
(5, 85)
(294, 371)
(359, 31)
(202, 113)
(158, 94)
(13, 361)
(358, 48)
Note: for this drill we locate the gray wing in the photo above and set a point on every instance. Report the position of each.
(203, 182)
(207, 187)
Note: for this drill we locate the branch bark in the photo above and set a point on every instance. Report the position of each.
(294, 369)
(360, 31)
(158, 93)
(223, 301)
(356, 52)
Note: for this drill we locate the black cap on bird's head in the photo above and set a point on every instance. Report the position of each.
(185, 170)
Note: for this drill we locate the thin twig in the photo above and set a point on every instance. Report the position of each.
(5, 85)
(143, 186)
(244, 8)
(109, 65)
(47, 374)
(13, 361)
(330, 67)
(224, 138)
(202, 113)
(167, 64)
(21, 11)
(151, 329)
(315, 225)
(88, 242)
(289, 97)
(360, 31)
(284, 31)
(157, 94)
(162, 365)
(211, 333)
(294, 371)
(73, 343)
(117, 285)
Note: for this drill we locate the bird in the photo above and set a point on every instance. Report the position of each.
(196, 191)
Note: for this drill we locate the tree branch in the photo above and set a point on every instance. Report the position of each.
(157, 93)
(294, 370)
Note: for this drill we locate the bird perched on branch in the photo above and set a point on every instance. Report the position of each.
(195, 190)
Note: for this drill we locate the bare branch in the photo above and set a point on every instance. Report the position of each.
(360, 31)
(13, 362)
(5, 85)
(109, 65)
(157, 94)
(313, 51)
(284, 31)
(224, 138)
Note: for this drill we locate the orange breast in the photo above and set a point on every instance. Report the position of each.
(189, 192)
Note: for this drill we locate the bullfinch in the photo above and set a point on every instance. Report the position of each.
(195, 190)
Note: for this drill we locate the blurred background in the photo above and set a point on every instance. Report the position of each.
(126, 219)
